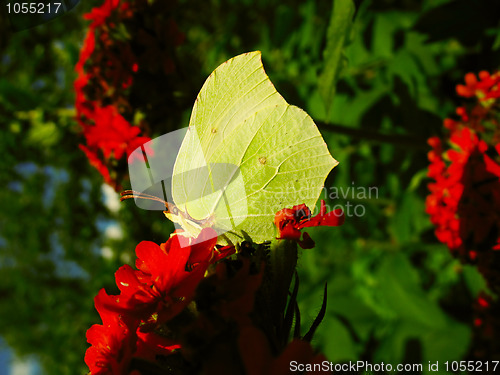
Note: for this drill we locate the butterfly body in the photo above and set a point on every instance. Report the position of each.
(191, 225)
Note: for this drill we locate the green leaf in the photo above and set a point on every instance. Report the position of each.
(46, 134)
(337, 342)
(400, 289)
(474, 280)
(410, 219)
(275, 157)
(446, 344)
(334, 59)
(16, 98)
(416, 318)
(496, 43)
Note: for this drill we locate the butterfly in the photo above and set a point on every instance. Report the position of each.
(246, 154)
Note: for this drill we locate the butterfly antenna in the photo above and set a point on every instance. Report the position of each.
(128, 194)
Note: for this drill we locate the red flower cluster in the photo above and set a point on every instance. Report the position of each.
(464, 200)
(155, 293)
(107, 133)
(116, 49)
(179, 312)
(290, 222)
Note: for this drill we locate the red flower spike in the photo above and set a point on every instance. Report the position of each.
(464, 199)
(290, 222)
(97, 163)
(86, 51)
(105, 67)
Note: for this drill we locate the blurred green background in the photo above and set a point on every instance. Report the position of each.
(394, 293)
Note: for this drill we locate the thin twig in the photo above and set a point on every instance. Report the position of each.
(399, 140)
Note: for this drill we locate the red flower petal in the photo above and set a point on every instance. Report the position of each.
(331, 219)
(290, 222)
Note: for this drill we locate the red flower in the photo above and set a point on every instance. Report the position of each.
(290, 222)
(113, 342)
(113, 134)
(166, 278)
(486, 88)
(110, 135)
(161, 287)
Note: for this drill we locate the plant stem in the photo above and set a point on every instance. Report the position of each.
(398, 140)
